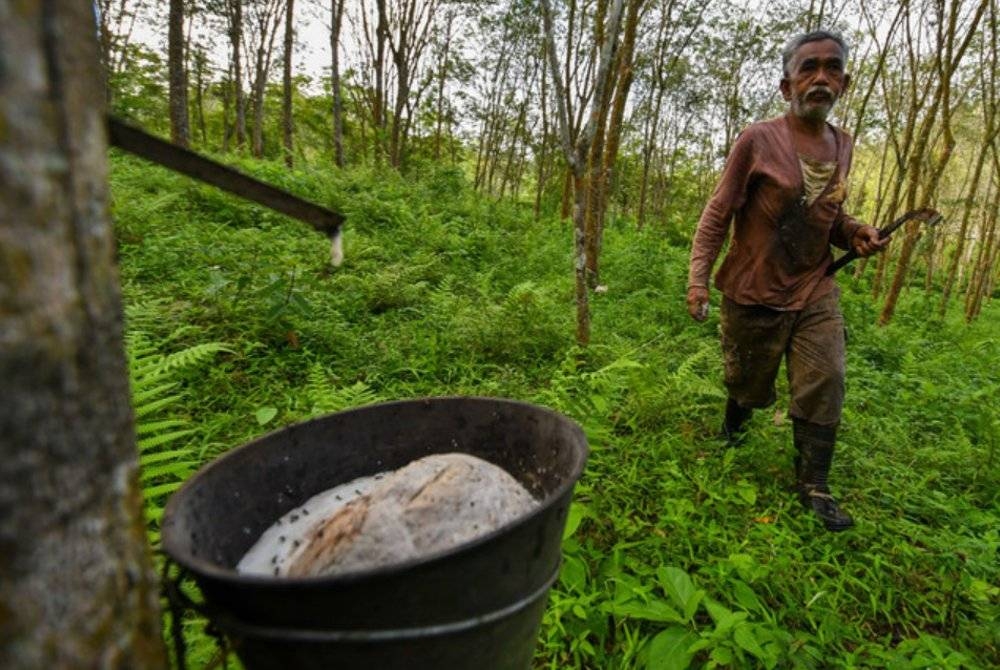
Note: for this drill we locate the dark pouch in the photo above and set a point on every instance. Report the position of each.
(802, 240)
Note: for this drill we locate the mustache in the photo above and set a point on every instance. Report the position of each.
(820, 89)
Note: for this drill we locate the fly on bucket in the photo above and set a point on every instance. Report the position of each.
(477, 606)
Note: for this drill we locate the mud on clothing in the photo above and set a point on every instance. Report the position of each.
(781, 242)
(778, 300)
(754, 340)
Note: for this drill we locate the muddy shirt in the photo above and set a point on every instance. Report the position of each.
(781, 241)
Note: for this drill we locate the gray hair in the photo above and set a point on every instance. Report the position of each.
(796, 43)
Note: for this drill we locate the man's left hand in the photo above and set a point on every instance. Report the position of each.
(866, 241)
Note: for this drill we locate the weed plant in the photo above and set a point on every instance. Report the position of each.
(679, 552)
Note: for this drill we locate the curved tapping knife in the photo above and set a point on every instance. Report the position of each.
(930, 216)
(161, 152)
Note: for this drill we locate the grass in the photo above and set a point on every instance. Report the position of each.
(679, 552)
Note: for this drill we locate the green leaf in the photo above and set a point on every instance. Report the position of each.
(149, 408)
(747, 491)
(265, 414)
(152, 492)
(147, 443)
(573, 574)
(724, 617)
(657, 610)
(744, 637)
(669, 649)
(577, 513)
(160, 456)
(722, 655)
(678, 585)
(158, 426)
(180, 469)
(745, 596)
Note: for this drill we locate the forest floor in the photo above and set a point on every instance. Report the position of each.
(679, 552)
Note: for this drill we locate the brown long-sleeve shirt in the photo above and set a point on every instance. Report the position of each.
(781, 242)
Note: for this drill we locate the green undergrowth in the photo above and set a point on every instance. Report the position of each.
(679, 552)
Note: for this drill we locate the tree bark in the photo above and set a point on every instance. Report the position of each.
(235, 14)
(603, 163)
(286, 83)
(180, 133)
(986, 261)
(199, 93)
(576, 150)
(442, 76)
(336, 21)
(265, 19)
(951, 47)
(78, 589)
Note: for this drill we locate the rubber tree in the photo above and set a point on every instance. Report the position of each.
(179, 125)
(287, 124)
(78, 588)
(576, 150)
(336, 21)
(952, 38)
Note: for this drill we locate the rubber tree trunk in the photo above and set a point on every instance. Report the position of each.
(286, 83)
(235, 14)
(180, 132)
(78, 589)
(336, 18)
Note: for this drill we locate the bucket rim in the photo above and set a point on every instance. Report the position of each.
(204, 568)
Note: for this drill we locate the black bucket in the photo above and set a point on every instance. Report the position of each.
(478, 606)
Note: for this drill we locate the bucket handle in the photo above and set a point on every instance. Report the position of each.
(179, 603)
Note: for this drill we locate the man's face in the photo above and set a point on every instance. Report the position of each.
(816, 79)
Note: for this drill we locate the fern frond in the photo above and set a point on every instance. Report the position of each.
(143, 393)
(192, 356)
(179, 469)
(151, 427)
(153, 406)
(323, 397)
(163, 438)
(155, 388)
(160, 456)
(154, 492)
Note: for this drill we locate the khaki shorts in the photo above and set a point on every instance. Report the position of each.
(754, 339)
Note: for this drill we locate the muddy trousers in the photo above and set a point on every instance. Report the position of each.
(754, 341)
(756, 338)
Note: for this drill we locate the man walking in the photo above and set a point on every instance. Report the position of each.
(783, 188)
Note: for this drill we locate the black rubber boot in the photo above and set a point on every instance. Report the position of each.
(812, 467)
(734, 424)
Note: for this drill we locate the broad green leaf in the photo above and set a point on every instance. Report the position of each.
(669, 650)
(722, 655)
(692, 604)
(724, 617)
(265, 414)
(573, 574)
(678, 585)
(748, 492)
(577, 513)
(657, 610)
(745, 596)
(743, 636)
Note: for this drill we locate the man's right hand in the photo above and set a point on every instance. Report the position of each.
(697, 300)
